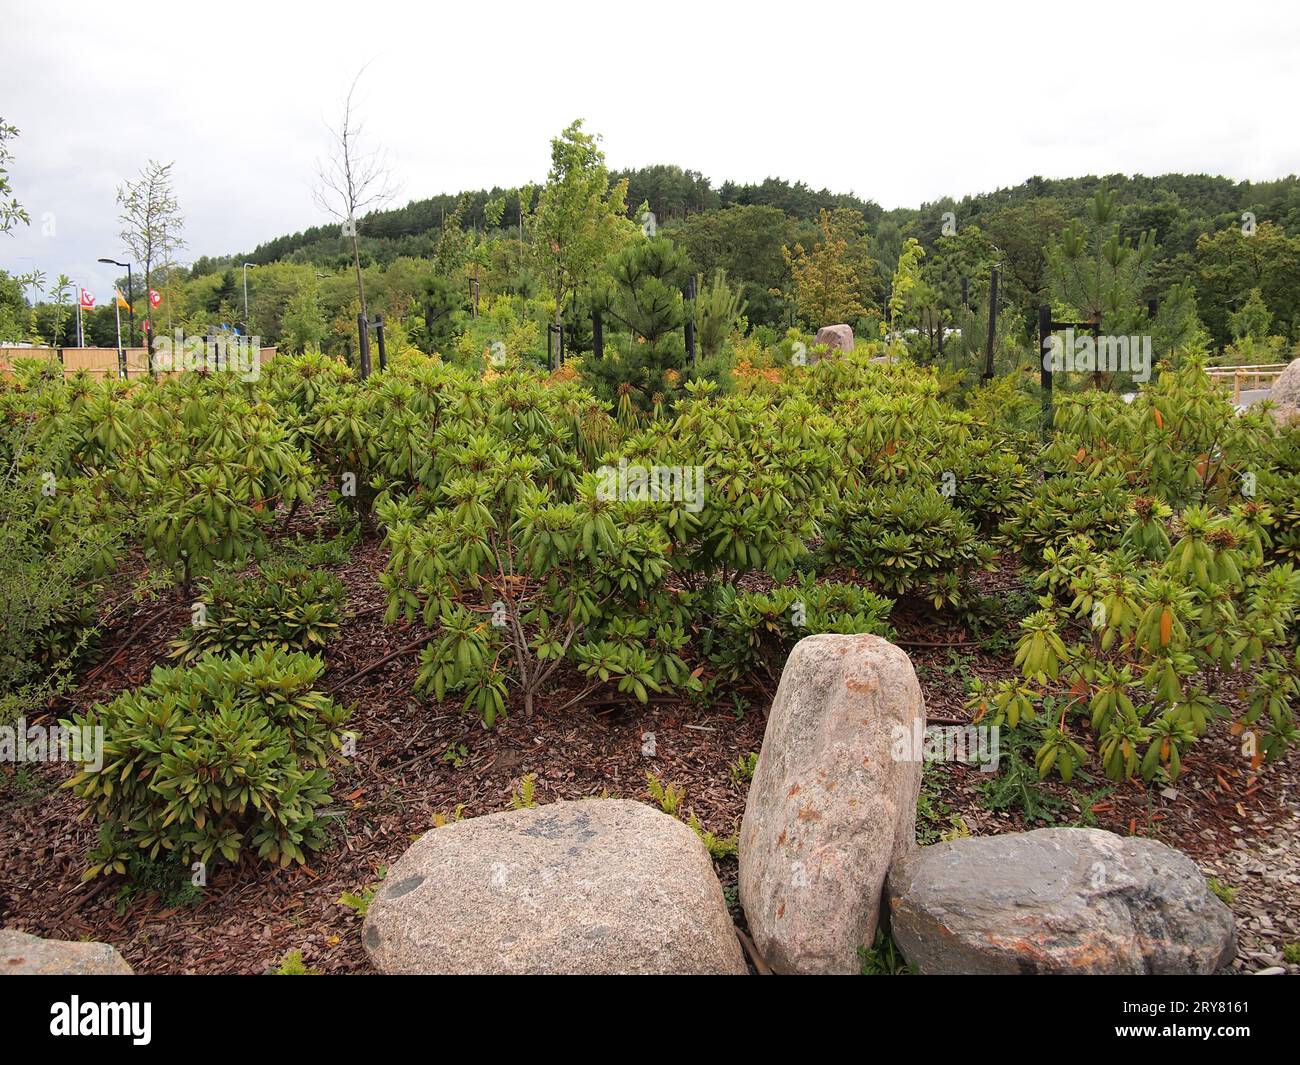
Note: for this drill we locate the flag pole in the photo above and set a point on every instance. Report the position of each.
(80, 342)
(121, 355)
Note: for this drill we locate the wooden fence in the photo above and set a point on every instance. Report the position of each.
(98, 362)
(1247, 378)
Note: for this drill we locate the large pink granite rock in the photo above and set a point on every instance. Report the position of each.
(830, 805)
(835, 337)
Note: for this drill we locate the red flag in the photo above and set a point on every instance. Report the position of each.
(155, 298)
(87, 300)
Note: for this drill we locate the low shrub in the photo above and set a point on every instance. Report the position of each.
(1137, 642)
(287, 607)
(55, 559)
(986, 481)
(752, 633)
(199, 462)
(209, 760)
(525, 563)
(1066, 505)
(904, 540)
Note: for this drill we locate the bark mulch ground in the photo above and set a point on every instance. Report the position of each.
(417, 761)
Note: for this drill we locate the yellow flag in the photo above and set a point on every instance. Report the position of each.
(121, 300)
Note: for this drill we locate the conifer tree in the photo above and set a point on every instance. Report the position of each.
(641, 295)
(1100, 274)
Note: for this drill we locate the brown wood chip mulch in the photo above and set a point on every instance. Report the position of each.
(250, 916)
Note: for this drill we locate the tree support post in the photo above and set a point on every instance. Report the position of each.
(379, 340)
(554, 346)
(688, 291)
(363, 331)
(993, 325)
(1044, 336)
(1046, 327)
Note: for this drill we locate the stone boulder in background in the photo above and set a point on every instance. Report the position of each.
(835, 337)
(1285, 393)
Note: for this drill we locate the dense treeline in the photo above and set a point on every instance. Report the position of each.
(1179, 207)
(1195, 221)
(458, 273)
(670, 192)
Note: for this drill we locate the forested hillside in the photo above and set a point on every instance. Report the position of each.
(1179, 207)
(1204, 262)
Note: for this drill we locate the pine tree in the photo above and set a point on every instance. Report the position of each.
(1100, 274)
(718, 309)
(642, 295)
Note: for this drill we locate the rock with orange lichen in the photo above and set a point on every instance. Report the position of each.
(26, 955)
(830, 805)
(1057, 900)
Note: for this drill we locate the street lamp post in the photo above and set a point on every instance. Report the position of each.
(246, 266)
(130, 307)
(130, 299)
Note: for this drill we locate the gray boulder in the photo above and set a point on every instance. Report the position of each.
(1286, 388)
(601, 886)
(830, 806)
(1057, 900)
(1285, 393)
(27, 955)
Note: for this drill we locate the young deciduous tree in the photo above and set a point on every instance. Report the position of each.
(455, 246)
(59, 294)
(580, 217)
(151, 223)
(352, 180)
(1252, 319)
(304, 324)
(828, 279)
(11, 211)
(906, 277)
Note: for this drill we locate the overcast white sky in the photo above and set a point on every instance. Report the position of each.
(901, 103)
